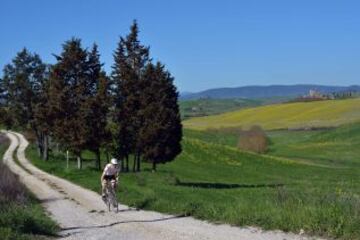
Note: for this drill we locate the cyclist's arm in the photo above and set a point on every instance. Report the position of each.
(103, 174)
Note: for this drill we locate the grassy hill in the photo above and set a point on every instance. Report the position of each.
(335, 147)
(282, 116)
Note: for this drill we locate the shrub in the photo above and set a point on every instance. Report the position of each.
(254, 140)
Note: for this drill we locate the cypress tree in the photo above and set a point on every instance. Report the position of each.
(69, 91)
(97, 105)
(130, 58)
(161, 133)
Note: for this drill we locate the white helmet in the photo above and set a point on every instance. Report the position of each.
(114, 161)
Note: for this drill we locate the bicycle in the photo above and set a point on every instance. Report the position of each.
(110, 196)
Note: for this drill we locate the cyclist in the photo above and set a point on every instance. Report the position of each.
(110, 174)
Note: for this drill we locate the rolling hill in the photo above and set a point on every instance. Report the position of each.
(300, 115)
(266, 91)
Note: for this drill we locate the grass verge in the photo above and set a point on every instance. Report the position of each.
(21, 215)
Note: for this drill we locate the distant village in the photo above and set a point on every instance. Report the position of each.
(314, 95)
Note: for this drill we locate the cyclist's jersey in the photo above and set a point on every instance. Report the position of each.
(111, 170)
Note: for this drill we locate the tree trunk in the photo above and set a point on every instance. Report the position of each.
(98, 159)
(154, 166)
(138, 162)
(45, 154)
(79, 161)
(39, 141)
(134, 164)
(57, 149)
(40, 150)
(122, 165)
(127, 163)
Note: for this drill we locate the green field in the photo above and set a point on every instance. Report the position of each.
(216, 182)
(335, 147)
(21, 215)
(338, 147)
(283, 116)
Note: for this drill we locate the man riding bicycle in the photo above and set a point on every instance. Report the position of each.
(109, 175)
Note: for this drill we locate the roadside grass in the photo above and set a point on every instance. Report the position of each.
(21, 215)
(223, 185)
(328, 113)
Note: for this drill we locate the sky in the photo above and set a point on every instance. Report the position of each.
(203, 43)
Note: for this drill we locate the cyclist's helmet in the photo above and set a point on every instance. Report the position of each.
(114, 161)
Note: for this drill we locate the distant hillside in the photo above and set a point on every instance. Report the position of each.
(211, 106)
(207, 106)
(266, 91)
(328, 113)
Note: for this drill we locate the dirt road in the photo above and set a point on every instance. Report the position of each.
(82, 214)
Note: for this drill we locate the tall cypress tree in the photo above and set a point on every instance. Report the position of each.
(161, 133)
(97, 105)
(130, 58)
(69, 91)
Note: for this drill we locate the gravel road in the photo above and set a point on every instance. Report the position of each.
(82, 214)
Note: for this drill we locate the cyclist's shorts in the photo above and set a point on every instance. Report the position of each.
(109, 177)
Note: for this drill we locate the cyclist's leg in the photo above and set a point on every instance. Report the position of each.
(103, 187)
(113, 193)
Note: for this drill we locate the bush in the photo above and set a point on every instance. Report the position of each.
(253, 140)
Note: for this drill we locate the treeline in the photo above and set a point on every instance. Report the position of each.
(131, 113)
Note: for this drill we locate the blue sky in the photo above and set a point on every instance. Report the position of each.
(205, 44)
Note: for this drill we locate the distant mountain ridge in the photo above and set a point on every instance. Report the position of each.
(266, 91)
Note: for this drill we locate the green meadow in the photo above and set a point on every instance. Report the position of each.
(212, 180)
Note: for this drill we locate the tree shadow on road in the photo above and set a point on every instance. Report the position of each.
(123, 222)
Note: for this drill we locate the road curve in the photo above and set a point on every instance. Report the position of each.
(81, 213)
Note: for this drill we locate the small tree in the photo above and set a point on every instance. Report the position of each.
(254, 140)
